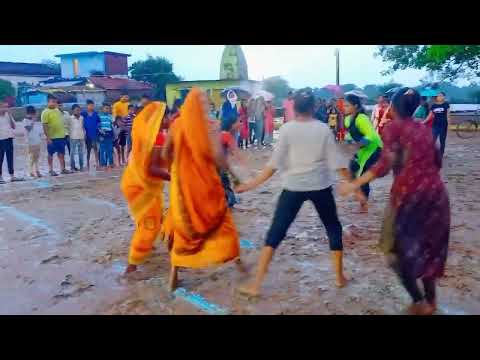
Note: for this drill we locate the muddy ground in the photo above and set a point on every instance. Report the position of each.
(64, 244)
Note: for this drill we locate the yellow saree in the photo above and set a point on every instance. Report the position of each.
(198, 225)
(144, 192)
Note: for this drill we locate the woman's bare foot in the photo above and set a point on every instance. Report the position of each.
(241, 267)
(130, 268)
(248, 290)
(416, 308)
(341, 281)
(428, 309)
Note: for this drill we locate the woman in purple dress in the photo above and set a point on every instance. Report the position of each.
(416, 227)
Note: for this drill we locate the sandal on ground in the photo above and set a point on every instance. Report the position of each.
(53, 173)
(16, 179)
(39, 175)
(2, 181)
(66, 172)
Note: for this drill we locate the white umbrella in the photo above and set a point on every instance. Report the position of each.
(268, 96)
(358, 93)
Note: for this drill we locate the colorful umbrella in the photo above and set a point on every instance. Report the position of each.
(268, 96)
(358, 93)
(392, 91)
(336, 89)
(241, 92)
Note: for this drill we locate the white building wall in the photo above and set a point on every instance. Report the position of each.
(31, 80)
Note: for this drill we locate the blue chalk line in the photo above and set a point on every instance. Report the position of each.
(200, 302)
(246, 244)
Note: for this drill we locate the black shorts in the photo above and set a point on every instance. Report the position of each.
(122, 138)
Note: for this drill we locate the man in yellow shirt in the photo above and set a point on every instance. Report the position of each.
(120, 108)
(54, 129)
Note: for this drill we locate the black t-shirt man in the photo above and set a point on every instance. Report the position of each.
(440, 112)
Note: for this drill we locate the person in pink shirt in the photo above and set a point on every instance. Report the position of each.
(289, 112)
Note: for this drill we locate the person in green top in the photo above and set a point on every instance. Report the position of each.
(361, 132)
(54, 129)
(423, 110)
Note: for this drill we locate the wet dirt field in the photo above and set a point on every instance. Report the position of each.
(64, 244)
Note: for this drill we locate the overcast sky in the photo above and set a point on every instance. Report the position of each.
(301, 65)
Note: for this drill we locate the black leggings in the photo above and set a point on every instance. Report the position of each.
(289, 205)
(442, 134)
(6, 148)
(354, 166)
(409, 282)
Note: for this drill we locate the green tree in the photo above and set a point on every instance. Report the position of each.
(155, 70)
(6, 89)
(448, 61)
(278, 87)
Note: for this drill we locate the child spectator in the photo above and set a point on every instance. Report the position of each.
(33, 135)
(128, 123)
(77, 138)
(91, 121)
(119, 140)
(7, 127)
(106, 138)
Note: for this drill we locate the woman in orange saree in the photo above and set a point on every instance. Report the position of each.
(142, 182)
(199, 227)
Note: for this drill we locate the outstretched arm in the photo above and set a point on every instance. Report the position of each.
(264, 175)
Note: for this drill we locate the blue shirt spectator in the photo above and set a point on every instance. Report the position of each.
(91, 123)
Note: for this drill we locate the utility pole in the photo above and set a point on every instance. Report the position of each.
(337, 55)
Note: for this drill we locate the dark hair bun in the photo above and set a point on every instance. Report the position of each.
(304, 101)
(405, 102)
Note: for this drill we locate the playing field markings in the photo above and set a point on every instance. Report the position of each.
(247, 244)
(200, 302)
(29, 219)
(45, 184)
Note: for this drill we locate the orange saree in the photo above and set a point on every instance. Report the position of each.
(144, 192)
(198, 225)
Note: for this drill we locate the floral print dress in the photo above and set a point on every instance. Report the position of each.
(416, 228)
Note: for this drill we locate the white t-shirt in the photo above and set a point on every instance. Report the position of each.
(307, 156)
(6, 131)
(34, 136)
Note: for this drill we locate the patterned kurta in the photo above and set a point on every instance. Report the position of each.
(419, 212)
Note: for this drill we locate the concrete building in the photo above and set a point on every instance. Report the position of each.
(84, 64)
(26, 73)
(233, 73)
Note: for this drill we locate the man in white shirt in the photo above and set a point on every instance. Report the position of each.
(33, 135)
(77, 138)
(7, 127)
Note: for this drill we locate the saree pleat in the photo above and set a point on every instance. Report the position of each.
(144, 192)
(198, 225)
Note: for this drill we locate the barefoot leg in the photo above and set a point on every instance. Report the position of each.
(337, 259)
(130, 268)
(241, 266)
(253, 289)
(173, 281)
